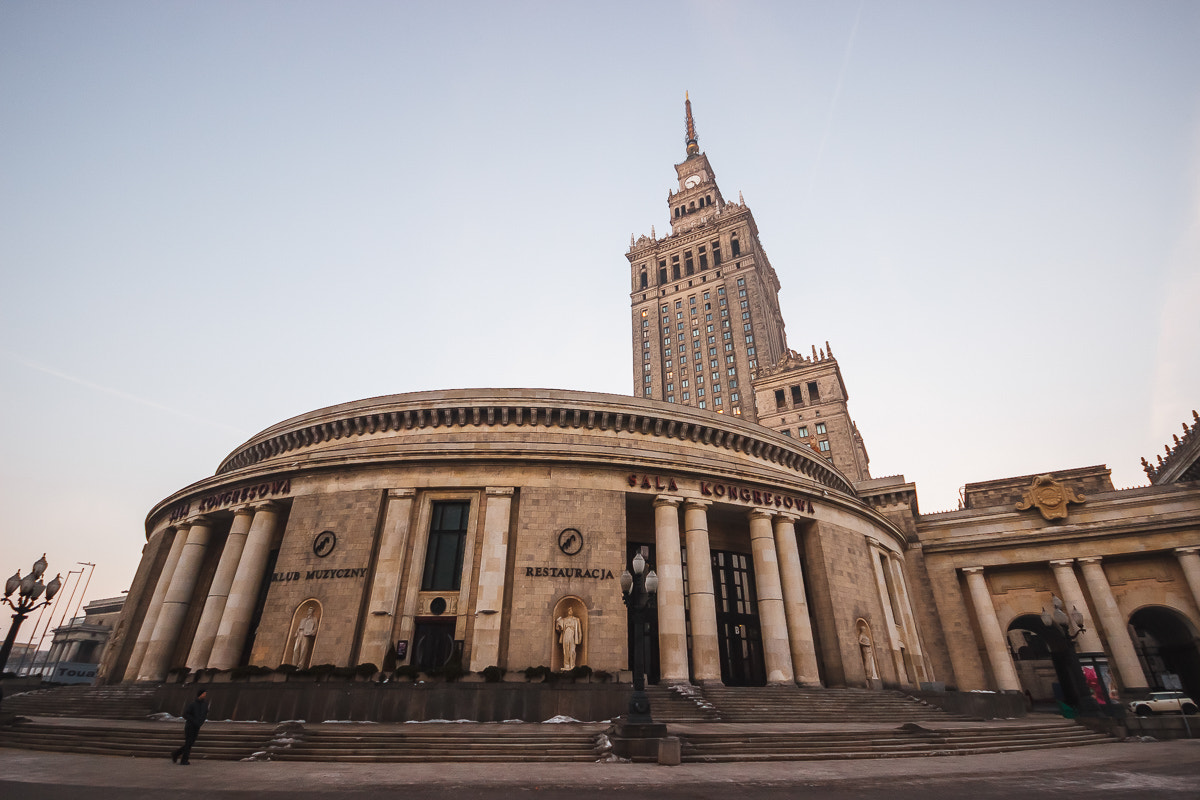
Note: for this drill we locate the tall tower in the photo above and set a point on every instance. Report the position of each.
(705, 299)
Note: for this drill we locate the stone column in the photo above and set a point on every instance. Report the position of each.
(776, 650)
(385, 583)
(908, 621)
(879, 557)
(795, 603)
(672, 624)
(1189, 559)
(1116, 632)
(156, 602)
(1003, 671)
(175, 603)
(243, 593)
(702, 604)
(493, 569)
(1072, 597)
(218, 592)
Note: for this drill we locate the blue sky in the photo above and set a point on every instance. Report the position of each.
(216, 215)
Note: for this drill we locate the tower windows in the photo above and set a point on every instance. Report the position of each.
(814, 395)
(780, 403)
(642, 281)
(735, 247)
(820, 428)
(802, 431)
(797, 399)
(824, 445)
(716, 252)
(687, 264)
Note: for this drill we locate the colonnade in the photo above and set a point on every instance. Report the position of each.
(789, 653)
(1112, 622)
(229, 607)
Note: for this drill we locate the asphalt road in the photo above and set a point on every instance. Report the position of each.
(1145, 771)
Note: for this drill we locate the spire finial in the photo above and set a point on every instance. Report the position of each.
(692, 147)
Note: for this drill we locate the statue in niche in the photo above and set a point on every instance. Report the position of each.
(306, 632)
(867, 650)
(570, 636)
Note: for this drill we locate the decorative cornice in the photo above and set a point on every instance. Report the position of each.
(427, 412)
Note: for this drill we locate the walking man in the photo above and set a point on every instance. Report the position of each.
(193, 717)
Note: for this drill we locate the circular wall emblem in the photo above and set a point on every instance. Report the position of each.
(570, 541)
(324, 543)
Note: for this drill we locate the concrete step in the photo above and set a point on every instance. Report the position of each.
(132, 701)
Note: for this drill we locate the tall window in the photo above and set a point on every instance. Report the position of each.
(444, 555)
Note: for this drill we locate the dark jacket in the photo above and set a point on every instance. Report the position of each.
(196, 713)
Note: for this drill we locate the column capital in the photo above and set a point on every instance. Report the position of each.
(244, 508)
(1181, 551)
(972, 570)
(495, 491)
(182, 526)
(760, 513)
(200, 520)
(265, 505)
(1090, 560)
(667, 500)
(401, 494)
(784, 516)
(695, 502)
(1062, 562)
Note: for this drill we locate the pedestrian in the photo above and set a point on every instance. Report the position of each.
(193, 717)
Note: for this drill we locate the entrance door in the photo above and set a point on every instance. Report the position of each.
(739, 638)
(433, 644)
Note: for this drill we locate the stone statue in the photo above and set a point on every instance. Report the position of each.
(867, 648)
(305, 633)
(569, 625)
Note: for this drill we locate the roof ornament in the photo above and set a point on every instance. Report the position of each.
(692, 147)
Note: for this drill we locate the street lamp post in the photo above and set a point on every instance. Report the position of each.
(28, 590)
(639, 591)
(1069, 627)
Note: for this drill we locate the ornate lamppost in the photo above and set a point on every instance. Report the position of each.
(639, 591)
(29, 589)
(1068, 628)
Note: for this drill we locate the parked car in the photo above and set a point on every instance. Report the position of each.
(1163, 703)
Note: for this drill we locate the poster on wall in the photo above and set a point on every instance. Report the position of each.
(1098, 678)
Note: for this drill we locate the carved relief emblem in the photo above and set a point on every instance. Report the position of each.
(1050, 496)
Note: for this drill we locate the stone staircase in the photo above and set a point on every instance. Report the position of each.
(126, 701)
(680, 704)
(795, 704)
(145, 740)
(357, 743)
(905, 741)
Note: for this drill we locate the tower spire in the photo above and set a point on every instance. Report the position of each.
(692, 147)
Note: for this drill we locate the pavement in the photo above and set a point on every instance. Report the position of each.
(1136, 769)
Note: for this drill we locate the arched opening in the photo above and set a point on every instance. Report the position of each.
(1167, 646)
(1051, 669)
(642, 279)
(1032, 657)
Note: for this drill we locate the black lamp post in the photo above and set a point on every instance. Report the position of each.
(639, 590)
(28, 589)
(1068, 627)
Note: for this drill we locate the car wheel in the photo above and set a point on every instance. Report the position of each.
(1189, 708)
(1144, 711)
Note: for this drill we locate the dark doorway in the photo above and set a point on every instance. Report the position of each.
(739, 638)
(1167, 648)
(433, 644)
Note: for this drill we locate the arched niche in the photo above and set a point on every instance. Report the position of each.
(567, 607)
(302, 657)
(867, 654)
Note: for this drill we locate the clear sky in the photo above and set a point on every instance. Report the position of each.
(217, 215)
